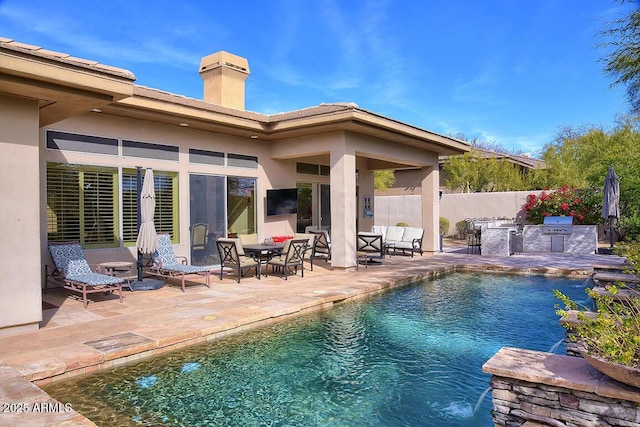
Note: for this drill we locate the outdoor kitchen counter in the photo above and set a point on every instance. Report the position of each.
(498, 239)
(582, 240)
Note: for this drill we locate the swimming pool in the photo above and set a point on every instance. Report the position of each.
(411, 357)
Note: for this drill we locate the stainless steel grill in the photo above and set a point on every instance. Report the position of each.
(562, 225)
(557, 227)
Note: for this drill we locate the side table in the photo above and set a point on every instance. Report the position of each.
(113, 268)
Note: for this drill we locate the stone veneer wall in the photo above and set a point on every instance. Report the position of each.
(556, 390)
(516, 402)
(583, 239)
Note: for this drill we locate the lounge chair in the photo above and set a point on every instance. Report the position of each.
(368, 246)
(292, 256)
(165, 263)
(232, 255)
(73, 270)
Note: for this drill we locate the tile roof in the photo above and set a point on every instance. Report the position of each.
(65, 58)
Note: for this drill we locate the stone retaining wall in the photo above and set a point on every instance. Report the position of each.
(516, 402)
(556, 390)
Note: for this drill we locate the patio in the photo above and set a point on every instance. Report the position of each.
(76, 341)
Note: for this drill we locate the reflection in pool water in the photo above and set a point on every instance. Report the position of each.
(411, 357)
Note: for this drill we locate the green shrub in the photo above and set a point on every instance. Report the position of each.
(613, 331)
(629, 228)
(444, 226)
(462, 227)
(402, 224)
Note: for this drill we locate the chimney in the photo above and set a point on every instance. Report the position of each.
(224, 75)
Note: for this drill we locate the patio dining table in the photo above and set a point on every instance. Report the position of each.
(261, 252)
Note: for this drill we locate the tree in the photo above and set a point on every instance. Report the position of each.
(580, 158)
(623, 63)
(383, 179)
(474, 172)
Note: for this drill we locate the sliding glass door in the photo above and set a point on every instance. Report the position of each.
(208, 217)
(314, 206)
(219, 207)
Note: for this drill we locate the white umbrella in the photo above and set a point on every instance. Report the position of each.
(147, 236)
(611, 202)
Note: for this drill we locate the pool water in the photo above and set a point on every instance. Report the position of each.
(410, 357)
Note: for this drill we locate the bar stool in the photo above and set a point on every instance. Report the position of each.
(474, 241)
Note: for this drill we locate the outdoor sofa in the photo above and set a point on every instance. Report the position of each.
(397, 238)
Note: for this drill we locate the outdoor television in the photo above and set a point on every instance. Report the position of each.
(282, 202)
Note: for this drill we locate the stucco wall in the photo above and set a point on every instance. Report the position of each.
(269, 174)
(21, 268)
(391, 209)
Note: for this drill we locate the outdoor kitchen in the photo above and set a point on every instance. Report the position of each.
(556, 234)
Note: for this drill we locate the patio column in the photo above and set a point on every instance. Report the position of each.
(343, 206)
(20, 186)
(430, 208)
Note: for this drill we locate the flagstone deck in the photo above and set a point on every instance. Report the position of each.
(76, 341)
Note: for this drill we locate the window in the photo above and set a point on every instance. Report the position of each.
(242, 161)
(82, 205)
(241, 205)
(206, 157)
(312, 169)
(165, 217)
(83, 143)
(149, 150)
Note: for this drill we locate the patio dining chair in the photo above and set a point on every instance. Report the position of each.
(232, 255)
(290, 259)
(368, 246)
(308, 254)
(165, 263)
(75, 273)
(322, 244)
(199, 239)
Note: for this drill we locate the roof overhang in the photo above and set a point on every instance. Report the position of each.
(158, 106)
(367, 123)
(63, 86)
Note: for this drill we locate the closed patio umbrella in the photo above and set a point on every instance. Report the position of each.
(611, 202)
(147, 237)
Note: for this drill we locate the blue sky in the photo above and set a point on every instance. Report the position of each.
(509, 72)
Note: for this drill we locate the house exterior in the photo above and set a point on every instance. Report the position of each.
(74, 133)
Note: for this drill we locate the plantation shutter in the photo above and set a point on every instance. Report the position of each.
(166, 204)
(82, 205)
(129, 207)
(99, 207)
(63, 204)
